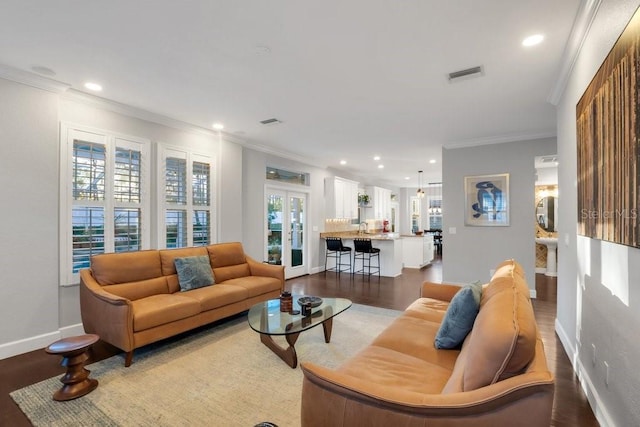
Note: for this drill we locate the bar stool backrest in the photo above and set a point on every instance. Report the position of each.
(362, 245)
(334, 244)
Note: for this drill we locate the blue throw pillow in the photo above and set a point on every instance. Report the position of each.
(459, 318)
(194, 272)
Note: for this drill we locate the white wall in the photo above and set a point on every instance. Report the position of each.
(253, 192)
(470, 253)
(36, 310)
(598, 282)
(29, 217)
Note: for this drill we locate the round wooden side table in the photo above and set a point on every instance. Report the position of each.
(74, 355)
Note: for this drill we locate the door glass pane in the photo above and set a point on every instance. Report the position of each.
(297, 226)
(274, 228)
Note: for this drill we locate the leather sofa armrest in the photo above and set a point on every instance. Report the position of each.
(107, 315)
(439, 291)
(266, 270)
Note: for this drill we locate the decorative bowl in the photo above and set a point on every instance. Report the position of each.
(310, 301)
(419, 233)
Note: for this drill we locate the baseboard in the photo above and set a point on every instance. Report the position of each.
(533, 294)
(38, 342)
(315, 270)
(541, 270)
(598, 408)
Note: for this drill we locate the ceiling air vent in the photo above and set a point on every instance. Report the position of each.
(270, 121)
(466, 74)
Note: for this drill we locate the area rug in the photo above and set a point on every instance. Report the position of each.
(221, 376)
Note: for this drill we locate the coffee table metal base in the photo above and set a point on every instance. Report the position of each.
(289, 354)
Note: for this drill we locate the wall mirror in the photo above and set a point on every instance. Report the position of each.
(546, 213)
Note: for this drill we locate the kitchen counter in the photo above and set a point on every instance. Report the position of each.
(354, 234)
(390, 245)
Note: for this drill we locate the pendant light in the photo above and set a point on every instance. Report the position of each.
(420, 192)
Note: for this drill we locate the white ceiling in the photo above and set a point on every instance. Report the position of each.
(349, 79)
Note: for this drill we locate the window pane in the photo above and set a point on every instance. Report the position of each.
(201, 228)
(201, 181)
(127, 234)
(176, 181)
(287, 176)
(88, 170)
(88, 235)
(127, 176)
(176, 232)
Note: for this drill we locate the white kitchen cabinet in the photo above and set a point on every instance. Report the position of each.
(341, 198)
(380, 203)
(417, 251)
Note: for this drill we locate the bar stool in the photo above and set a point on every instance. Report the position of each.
(364, 251)
(336, 250)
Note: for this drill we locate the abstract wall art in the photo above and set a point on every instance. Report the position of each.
(487, 200)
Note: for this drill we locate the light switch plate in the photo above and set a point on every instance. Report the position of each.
(452, 230)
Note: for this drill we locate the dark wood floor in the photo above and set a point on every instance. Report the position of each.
(570, 404)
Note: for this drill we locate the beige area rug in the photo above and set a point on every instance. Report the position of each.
(220, 376)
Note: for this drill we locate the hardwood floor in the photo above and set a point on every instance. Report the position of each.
(570, 404)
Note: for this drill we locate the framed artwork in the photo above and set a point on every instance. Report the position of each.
(486, 200)
(608, 135)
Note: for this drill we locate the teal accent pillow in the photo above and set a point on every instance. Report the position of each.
(459, 318)
(194, 272)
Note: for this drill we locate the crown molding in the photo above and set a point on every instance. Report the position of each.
(130, 111)
(283, 154)
(501, 139)
(8, 72)
(581, 25)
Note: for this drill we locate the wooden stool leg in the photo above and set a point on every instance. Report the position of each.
(76, 381)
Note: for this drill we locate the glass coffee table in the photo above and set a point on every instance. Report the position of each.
(267, 319)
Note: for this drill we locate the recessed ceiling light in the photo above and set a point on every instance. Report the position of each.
(432, 161)
(533, 40)
(218, 126)
(343, 162)
(407, 178)
(380, 166)
(376, 158)
(93, 86)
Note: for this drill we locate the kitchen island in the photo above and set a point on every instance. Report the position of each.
(390, 245)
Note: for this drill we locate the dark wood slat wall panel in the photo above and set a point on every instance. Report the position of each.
(607, 140)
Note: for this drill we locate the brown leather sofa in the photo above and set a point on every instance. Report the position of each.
(499, 376)
(132, 299)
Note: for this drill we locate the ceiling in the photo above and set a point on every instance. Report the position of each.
(349, 80)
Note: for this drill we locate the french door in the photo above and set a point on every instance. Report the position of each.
(286, 229)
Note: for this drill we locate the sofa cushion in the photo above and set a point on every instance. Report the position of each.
(223, 274)
(157, 310)
(414, 337)
(113, 268)
(255, 285)
(211, 297)
(194, 272)
(386, 367)
(502, 341)
(226, 254)
(459, 318)
(168, 256)
(137, 290)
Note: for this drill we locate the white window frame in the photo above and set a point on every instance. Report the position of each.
(191, 156)
(70, 132)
